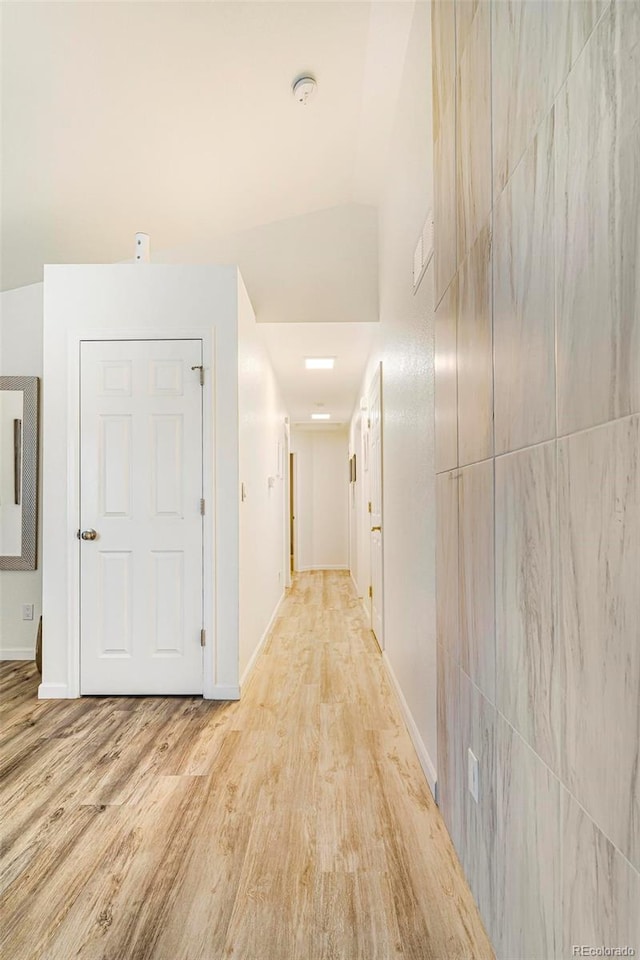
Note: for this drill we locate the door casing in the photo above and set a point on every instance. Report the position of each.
(136, 667)
(293, 509)
(211, 690)
(286, 501)
(376, 518)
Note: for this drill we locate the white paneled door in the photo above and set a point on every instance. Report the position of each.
(141, 576)
(375, 491)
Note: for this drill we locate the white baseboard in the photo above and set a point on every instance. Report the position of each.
(248, 670)
(17, 653)
(426, 763)
(355, 585)
(366, 610)
(54, 691)
(60, 691)
(221, 691)
(322, 566)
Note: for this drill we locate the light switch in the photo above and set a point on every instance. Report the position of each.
(27, 611)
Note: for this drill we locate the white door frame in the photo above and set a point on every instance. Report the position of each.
(294, 464)
(286, 509)
(355, 505)
(377, 378)
(157, 644)
(210, 689)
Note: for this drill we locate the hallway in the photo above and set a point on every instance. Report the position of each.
(292, 825)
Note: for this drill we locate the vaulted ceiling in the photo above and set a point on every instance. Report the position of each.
(178, 119)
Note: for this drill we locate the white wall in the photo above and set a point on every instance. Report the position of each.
(263, 513)
(406, 351)
(261, 416)
(144, 300)
(21, 355)
(314, 268)
(321, 491)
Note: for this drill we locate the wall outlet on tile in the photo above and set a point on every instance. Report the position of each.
(472, 774)
(27, 611)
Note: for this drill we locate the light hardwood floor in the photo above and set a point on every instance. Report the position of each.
(293, 825)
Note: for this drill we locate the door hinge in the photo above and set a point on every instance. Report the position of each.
(202, 507)
(369, 506)
(203, 637)
(370, 592)
(201, 369)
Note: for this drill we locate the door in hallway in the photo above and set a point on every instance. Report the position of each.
(141, 522)
(292, 516)
(375, 493)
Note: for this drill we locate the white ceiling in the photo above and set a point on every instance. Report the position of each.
(177, 119)
(317, 267)
(336, 390)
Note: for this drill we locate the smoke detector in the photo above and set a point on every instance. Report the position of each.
(304, 88)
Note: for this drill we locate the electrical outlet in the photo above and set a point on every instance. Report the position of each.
(27, 611)
(472, 774)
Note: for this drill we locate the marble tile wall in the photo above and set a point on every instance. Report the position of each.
(474, 354)
(601, 890)
(523, 300)
(446, 380)
(599, 588)
(449, 751)
(477, 718)
(443, 26)
(448, 654)
(473, 131)
(476, 623)
(444, 199)
(444, 136)
(530, 659)
(596, 220)
(534, 44)
(527, 842)
(447, 614)
(537, 353)
(465, 11)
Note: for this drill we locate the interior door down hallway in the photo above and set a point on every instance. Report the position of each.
(375, 492)
(141, 517)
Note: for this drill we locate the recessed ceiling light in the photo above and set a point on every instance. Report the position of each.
(320, 416)
(319, 363)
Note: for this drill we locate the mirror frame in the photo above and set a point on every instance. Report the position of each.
(30, 387)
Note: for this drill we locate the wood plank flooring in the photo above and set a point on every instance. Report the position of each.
(293, 825)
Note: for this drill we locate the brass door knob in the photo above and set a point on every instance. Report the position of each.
(89, 535)
(373, 529)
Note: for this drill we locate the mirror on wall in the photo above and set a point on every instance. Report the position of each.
(19, 399)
